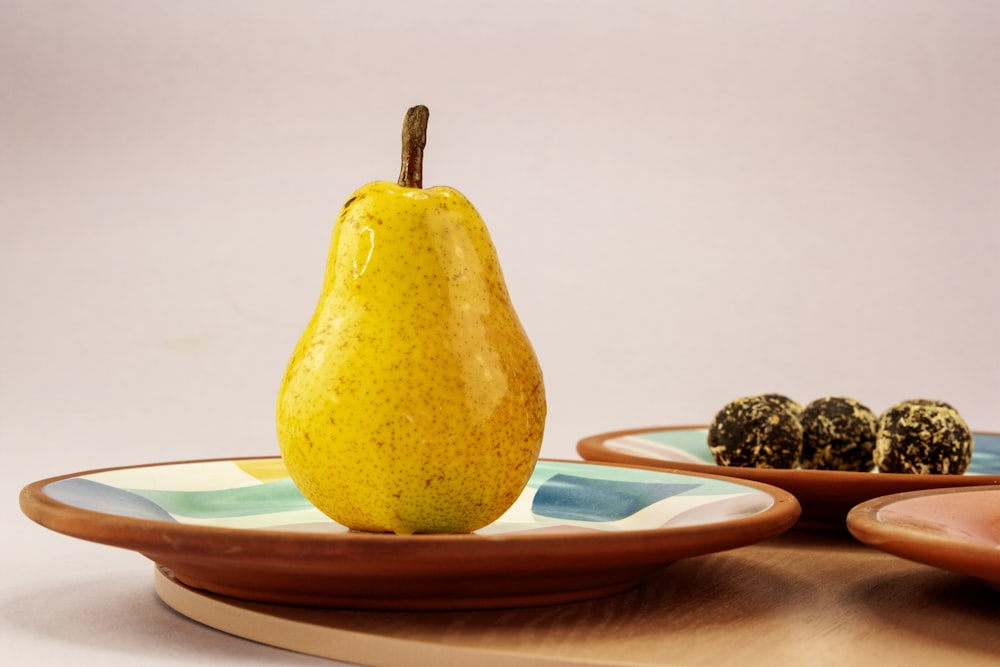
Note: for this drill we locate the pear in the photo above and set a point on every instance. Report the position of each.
(413, 401)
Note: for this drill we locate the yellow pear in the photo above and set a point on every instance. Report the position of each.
(413, 402)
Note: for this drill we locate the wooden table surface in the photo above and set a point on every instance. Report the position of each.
(800, 599)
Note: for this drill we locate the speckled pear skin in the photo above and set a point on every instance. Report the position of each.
(414, 401)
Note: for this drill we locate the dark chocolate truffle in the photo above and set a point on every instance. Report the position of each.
(785, 402)
(926, 401)
(755, 432)
(923, 437)
(838, 433)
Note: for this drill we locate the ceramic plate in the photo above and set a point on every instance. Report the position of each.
(954, 529)
(826, 495)
(241, 528)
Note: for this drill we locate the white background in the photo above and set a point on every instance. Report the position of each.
(692, 201)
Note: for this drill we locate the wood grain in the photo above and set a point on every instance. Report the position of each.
(802, 598)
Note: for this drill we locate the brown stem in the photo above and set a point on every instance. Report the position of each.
(411, 174)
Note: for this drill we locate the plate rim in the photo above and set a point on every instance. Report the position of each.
(410, 572)
(826, 496)
(593, 446)
(964, 556)
(58, 515)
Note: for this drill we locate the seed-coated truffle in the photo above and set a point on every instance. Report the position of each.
(927, 401)
(838, 433)
(755, 432)
(785, 402)
(923, 436)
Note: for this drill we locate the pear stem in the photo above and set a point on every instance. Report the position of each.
(411, 174)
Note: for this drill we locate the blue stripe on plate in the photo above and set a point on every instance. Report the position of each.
(575, 498)
(97, 497)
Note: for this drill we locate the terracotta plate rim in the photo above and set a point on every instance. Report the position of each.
(923, 543)
(581, 564)
(40, 507)
(826, 496)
